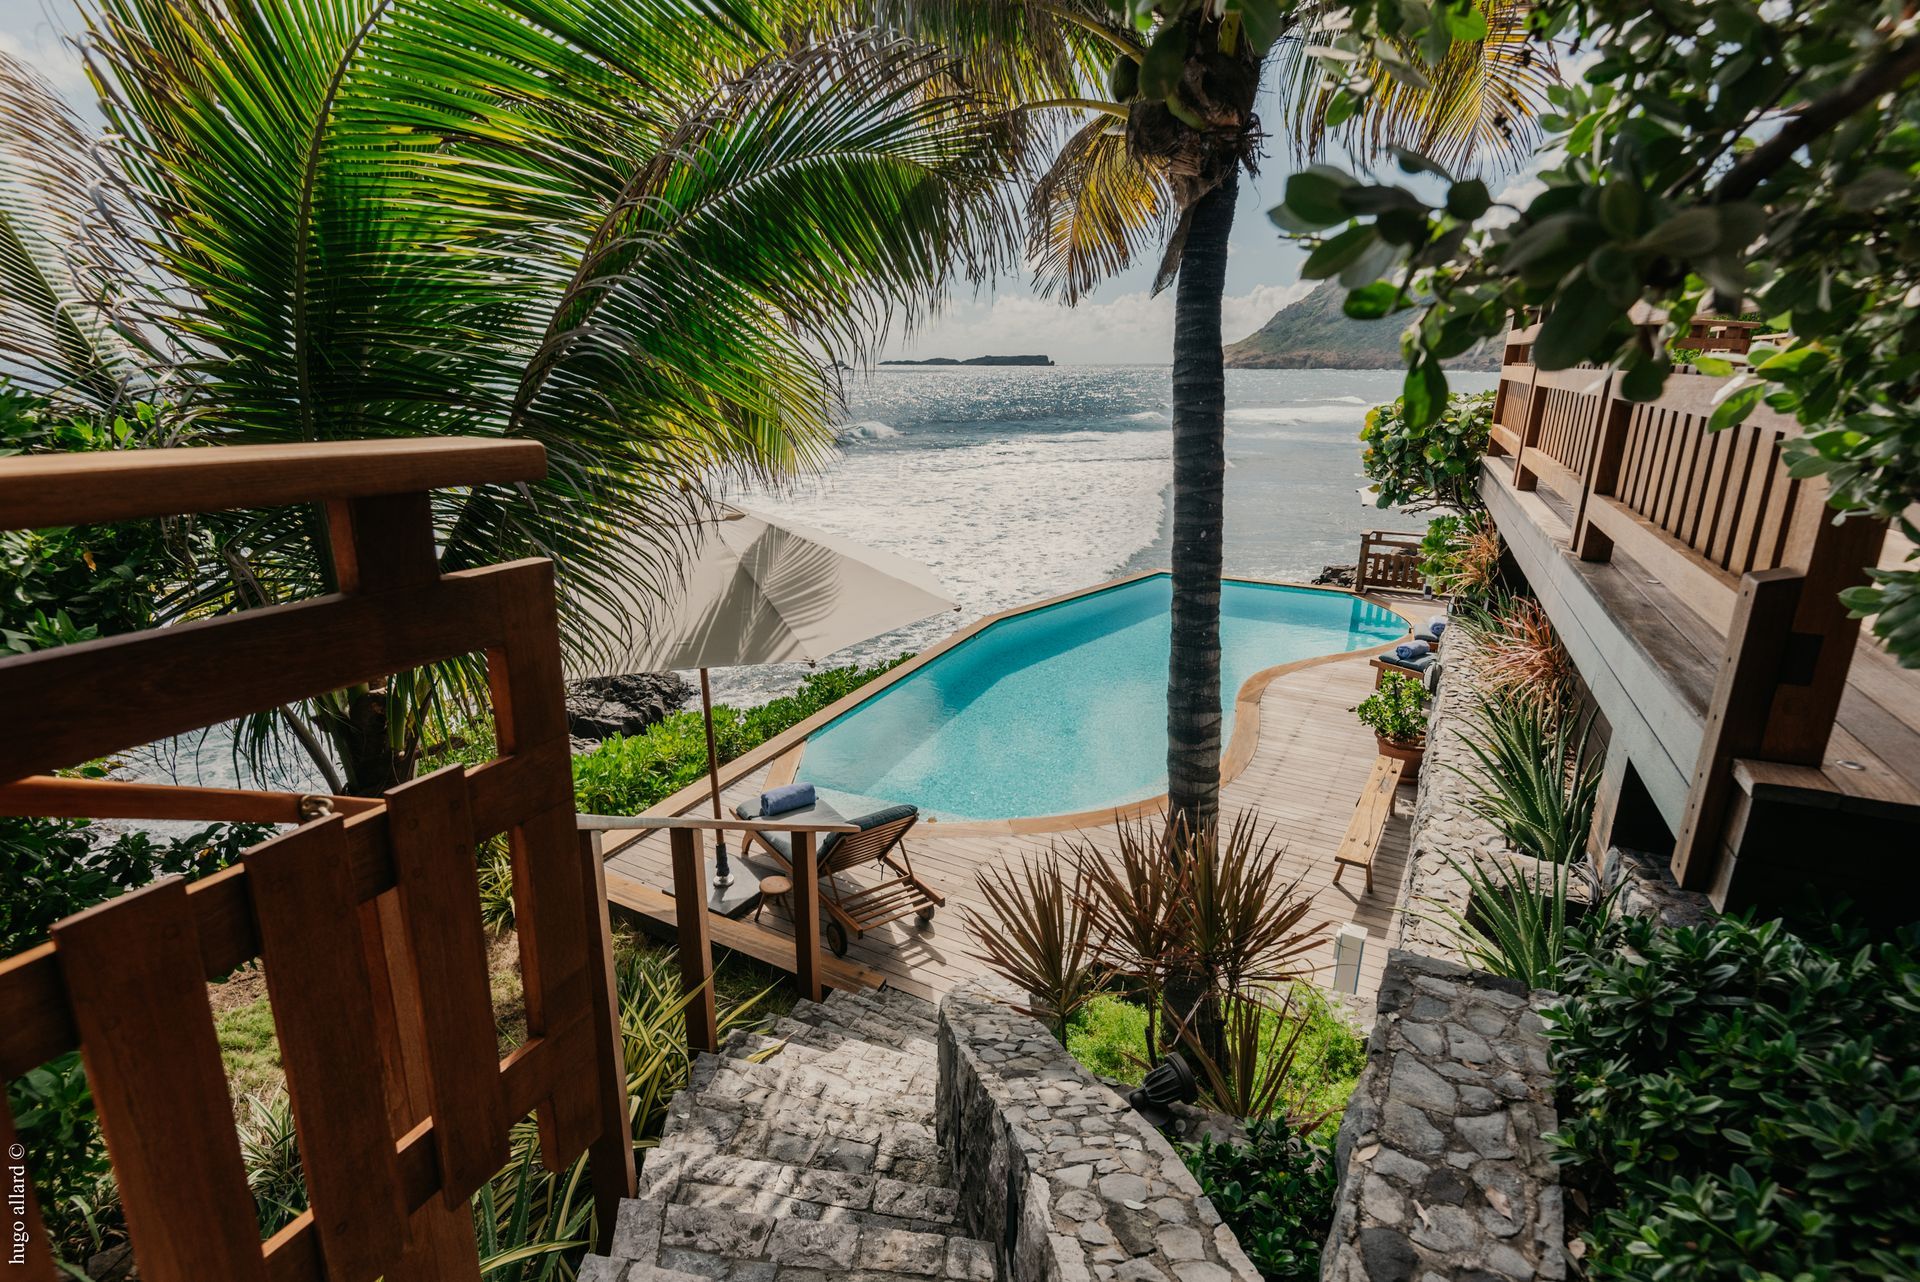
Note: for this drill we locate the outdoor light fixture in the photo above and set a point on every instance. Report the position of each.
(1167, 1083)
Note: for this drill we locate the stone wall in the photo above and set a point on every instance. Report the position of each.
(1443, 1170)
(1443, 827)
(1056, 1170)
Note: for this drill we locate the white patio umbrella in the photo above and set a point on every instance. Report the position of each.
(759, 589)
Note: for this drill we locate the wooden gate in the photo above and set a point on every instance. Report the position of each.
(364, 913)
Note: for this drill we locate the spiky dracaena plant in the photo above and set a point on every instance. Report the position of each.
(635, 231)
(1040, 936)
(1535, 781)
(1151, 107)
(1133, 898)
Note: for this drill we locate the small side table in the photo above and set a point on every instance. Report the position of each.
(779, 888)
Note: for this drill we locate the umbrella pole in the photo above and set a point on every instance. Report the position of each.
(722, 875)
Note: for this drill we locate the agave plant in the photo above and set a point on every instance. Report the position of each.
(636, 231)
(270, 1154)
(1040, 937)
(1536, 782)
(1520, 921)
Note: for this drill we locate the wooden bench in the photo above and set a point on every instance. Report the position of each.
(1370, 817)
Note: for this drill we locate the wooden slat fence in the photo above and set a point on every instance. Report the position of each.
(365, 916)
(1716, 517)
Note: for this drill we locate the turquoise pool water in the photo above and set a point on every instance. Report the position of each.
(1064, 708)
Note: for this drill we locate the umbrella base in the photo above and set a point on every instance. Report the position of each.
(741, 895)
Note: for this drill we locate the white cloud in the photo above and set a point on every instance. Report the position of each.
(1134, 328)
(37, 34)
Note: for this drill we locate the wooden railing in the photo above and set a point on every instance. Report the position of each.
(686, 837)
(365, 914)
(1389, 561)
(1717, 519)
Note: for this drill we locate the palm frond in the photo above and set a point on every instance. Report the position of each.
(1094, 211)
(63, 259)
(1481, 104)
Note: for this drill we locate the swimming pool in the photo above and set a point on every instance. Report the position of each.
(1063, 708)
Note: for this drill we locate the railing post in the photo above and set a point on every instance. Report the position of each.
(806, 916)
(1360, 570)
(696, 951)
(1789, 647)
(1736, 717)
(610, 1158)
(1603, 471)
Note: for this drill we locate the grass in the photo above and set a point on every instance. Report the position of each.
(1109, 1037)
(243, 1017)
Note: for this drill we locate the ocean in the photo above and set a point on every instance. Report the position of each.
(1017, 483)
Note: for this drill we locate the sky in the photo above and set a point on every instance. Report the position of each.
(1120, 323)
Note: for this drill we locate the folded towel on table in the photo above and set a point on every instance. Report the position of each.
(788, 796)
(1411, 650)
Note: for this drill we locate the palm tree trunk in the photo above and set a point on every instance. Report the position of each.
(1199, 474)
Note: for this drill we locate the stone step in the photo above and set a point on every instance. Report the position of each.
(853, 1090)
(725, 1242)
(605, 1268)
(906, 1013)
(906, 1151)
(905, 1003)
(834, 1053)
(750, 1184)
(851, 1019)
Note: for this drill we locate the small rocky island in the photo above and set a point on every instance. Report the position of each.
(978, 360)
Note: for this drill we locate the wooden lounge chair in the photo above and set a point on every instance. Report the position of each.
(1369, 822)
(853, 910)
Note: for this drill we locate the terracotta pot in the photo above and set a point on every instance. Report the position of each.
(1411, 753)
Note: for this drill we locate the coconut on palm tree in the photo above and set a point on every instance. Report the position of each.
(637, 231)
(1139, 117)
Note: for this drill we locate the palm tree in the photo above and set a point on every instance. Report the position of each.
(637, 231)
(1157, 101)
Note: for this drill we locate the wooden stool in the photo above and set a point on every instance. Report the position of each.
(773, 888)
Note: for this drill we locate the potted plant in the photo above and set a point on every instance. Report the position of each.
(1397, 715)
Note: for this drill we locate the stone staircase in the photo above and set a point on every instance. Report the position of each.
(802, 1156)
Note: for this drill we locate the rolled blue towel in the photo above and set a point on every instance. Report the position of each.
(1411, 650)
(788, 796)
(1437, 624)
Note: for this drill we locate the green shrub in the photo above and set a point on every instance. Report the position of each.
(1109, 1037)
(628, 773)
(1275, 1192)
(1738, 1102)
(1433, 466)
(1440, 551)
(1397, 711)
(53, 868)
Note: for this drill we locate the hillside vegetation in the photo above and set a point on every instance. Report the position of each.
(1314, 333)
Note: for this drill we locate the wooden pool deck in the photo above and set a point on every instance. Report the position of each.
(1304, 776)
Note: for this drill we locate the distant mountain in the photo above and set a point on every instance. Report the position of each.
(1315, 334)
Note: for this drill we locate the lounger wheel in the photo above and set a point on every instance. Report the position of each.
(925, 915)
(837, 938)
